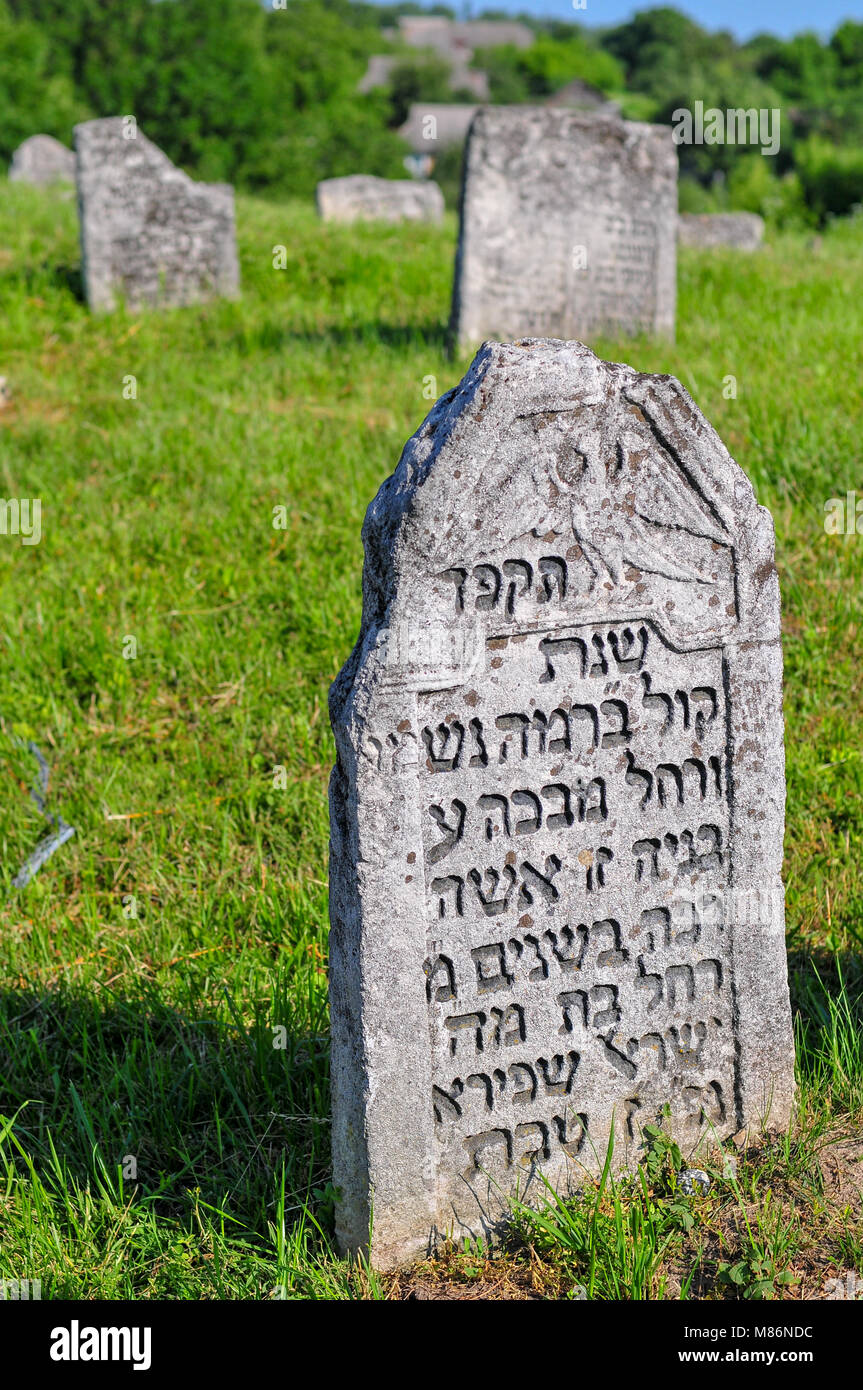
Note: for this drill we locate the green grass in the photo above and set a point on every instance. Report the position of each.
(145, 973)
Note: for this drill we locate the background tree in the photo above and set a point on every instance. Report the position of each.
(34, 99)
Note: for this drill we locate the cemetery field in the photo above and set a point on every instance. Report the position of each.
(168, 644)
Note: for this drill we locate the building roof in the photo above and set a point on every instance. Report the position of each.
(581, 95)
(377, 74)
(448, 126)
(452, 37)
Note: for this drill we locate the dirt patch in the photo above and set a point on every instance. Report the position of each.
(460, 1278)
(841, 1164)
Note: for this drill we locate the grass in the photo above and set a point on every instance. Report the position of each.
(163, 1021)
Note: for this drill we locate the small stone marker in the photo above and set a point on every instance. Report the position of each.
(364, 198)
(149, 234)
(557, 809)
(42, 160)
(568, 227)
(742, 230)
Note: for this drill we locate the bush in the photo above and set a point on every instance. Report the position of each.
(528, 74)
(423, 77)
(447, 173)
(831, 176)
(692, 196)
(753, 186)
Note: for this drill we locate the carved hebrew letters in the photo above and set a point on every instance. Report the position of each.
(604, 793)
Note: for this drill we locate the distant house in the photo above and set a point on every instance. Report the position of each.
(493, 33)
(378, 72)
(456, 42)
(462, 78)
(582, 96)
(472, 80)
(451, 37)
(433, 126)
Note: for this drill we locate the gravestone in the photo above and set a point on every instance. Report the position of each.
(568, 227)
(363, 198)
(149, 234)
(42, 160)
(557, 808)
(742, 230)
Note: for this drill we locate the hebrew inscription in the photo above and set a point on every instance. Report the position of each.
(555, 895)
(557, 838)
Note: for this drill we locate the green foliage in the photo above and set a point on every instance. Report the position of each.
(754, 186)
(817, 87)
(204, 90)
(831, 176)
(662, 1157)
(528, 74)
(800, 69)
(663, 51)
(755, 1278)
(97, 44)
(265, 99)
(34, 98)
(268, 100)
(447, 173)
(423, 77)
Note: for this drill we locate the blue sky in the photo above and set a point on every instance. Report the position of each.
(743, 17)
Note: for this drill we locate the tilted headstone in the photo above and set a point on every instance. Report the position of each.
(42, 160)
(150, 235)
(364, 198)
(557, 808)
(568, 227)
(742, 230)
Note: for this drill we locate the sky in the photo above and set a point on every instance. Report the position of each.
(743, 17)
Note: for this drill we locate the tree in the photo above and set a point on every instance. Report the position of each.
(93, 43)
(423, 77)
(525, 74)
(34, 100)
(661, 50)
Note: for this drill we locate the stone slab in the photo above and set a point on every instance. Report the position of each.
(42, 160)
(364, 198)
(742, 230)
(150, 235)
(568, 227)
(557, 808)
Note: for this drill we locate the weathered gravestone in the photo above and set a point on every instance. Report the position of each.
(42, 160)
(568, 227)
(363, 198)
(742, 230)
(557, 810)
(149, 233)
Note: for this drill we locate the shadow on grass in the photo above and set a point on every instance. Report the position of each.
(827, 1004)
(34, 279)
(274, 336)
(200, 1110)
(190, 1109)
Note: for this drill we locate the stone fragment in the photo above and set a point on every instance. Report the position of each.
(150, 235)
(692, 1181)
(364, 198)
(568, 227)
(557, 807)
